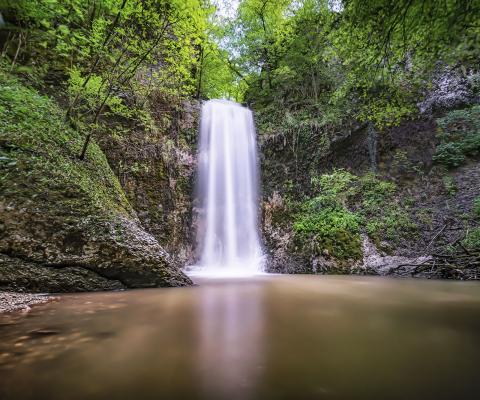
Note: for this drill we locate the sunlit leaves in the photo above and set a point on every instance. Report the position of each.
(369, 60)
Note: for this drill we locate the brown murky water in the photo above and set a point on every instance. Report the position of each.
(271, 337)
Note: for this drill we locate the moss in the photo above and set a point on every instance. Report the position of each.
(425, 216)
(345, 206)
(331, 231)
(38, 154)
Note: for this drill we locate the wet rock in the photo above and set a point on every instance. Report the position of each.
(20, 301)
(17, 275)
(376, 262)
(52, 254)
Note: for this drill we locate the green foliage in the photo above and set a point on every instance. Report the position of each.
(283, 54)
(384, 217)
(215, 76)
(335, 183)
(324, 67)
(333, 231)
(346, 205)
(390, 50)
(449, 185)
(459, 134)
(215, 79)
(472, 240)
(38, 156)
(113, 56)
(449, 154)
(458, 123)
(476, 206)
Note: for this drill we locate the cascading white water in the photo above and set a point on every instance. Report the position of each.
(227, 191)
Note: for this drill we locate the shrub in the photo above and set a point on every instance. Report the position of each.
(335, 189)
(472, 240)
(449, 154)
(459, 134)
(471, 144)
(335, 230)
(449, 185)
(375, 193)
(456, 123)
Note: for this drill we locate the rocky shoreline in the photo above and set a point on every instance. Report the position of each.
(10, 301)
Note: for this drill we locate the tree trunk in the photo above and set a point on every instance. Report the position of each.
(200, 73)
(85, 146)
(18, 51)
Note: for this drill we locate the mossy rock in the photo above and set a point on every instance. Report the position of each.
(58, 211)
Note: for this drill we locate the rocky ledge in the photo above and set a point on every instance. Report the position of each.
(51, 256)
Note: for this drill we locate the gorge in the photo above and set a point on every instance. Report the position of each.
(252, 199)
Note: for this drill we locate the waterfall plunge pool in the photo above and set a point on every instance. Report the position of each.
(263, 337)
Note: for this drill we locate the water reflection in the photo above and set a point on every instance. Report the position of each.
(230, 350)
(282, 337)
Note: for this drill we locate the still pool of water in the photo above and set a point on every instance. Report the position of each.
(269, 337)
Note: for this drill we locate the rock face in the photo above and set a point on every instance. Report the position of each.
(435, 203)
(23, 276)
(47, 255)
(65, 224)
(157, 173)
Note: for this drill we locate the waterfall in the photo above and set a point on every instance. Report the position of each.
(227, 191)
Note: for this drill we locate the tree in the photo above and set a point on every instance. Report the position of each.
(109, 53)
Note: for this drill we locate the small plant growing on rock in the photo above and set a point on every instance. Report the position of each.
(476, 207)
(459, 134)
(331, 230)
(449, 154)
(449, 185)
(472, 240)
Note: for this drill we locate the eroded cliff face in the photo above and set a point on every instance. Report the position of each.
(66, 224)
(410, 211)
(399, 210)
(123, 217)
(156, 170)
